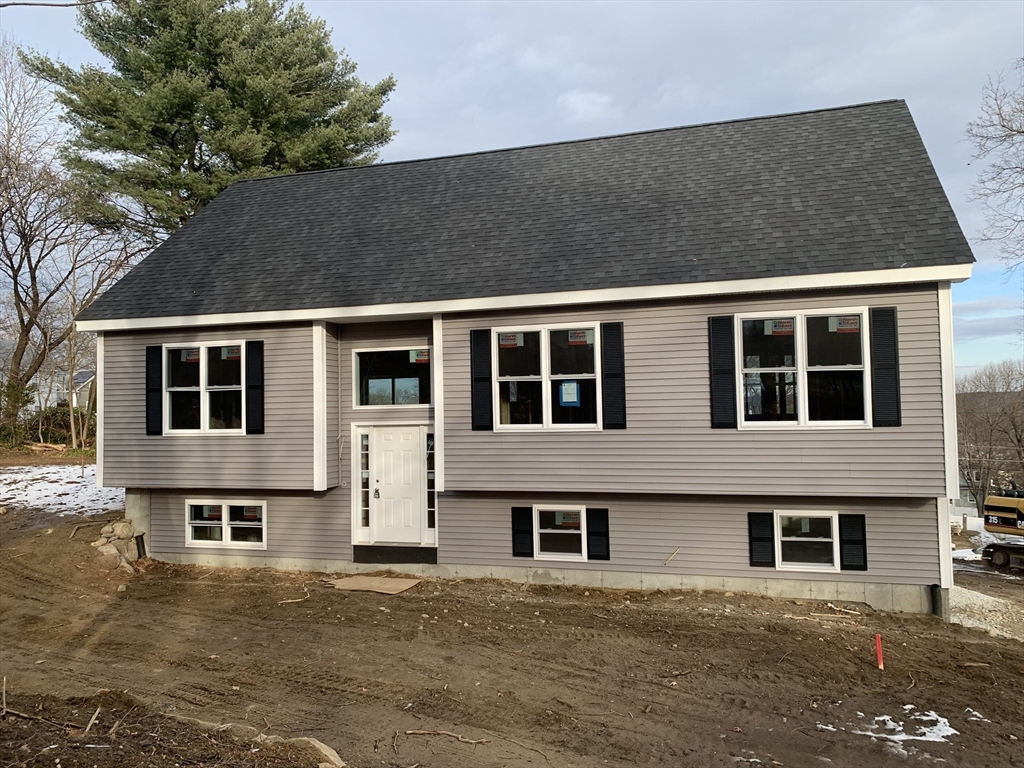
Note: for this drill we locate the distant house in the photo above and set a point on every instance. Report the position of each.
(77, 391)
(717, 356)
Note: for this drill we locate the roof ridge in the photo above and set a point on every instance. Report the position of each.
(649, 131)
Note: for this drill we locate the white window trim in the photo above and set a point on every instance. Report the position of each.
(546, 378)
(405, 407)
(560, 556)
(204, 405)
(800, 349)
(226, 543)
(806, 567)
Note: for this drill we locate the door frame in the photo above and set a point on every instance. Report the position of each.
(364, 535)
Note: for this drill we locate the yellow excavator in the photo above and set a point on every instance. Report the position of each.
(1005, 514)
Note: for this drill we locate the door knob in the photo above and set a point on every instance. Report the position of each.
(376, 493)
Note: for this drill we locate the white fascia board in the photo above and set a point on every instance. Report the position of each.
(425, 309)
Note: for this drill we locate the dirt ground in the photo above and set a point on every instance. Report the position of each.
(26, 458)
(515, 675)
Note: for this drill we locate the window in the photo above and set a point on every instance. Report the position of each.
(431, 490)
(226, 523)
(364, 480)
(560, 533)
(547, 377)
(807, 541)
(203, 387)
(803, 369)
(393, 377)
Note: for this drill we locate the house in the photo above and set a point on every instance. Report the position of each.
(717, 356)
(77, 391)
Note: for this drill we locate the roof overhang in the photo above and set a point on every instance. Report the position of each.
(370, 312)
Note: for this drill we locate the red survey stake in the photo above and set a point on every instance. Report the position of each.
(878, 651)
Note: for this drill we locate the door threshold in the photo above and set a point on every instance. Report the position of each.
(392, 554)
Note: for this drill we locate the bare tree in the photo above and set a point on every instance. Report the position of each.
(998, 138)
(990, 425)
(57, 257)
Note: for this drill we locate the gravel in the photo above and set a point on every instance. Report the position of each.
(998, 616)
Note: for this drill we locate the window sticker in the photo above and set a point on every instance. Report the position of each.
(778, 327)
(569, 394)
(567, 519)
(190, 355)
(510, 340)
(419, 355)
(848, 324)
(581, 338)
(231, 353)
(513, 392)
(251, 513)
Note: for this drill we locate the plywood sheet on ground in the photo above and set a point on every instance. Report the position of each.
(382, 584)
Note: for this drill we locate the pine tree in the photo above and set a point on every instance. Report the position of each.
(201, 93)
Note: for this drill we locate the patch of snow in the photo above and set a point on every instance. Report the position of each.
(61, 490)
(984, 538)
(975, 715)
(823, 727)
(929, 726)
(966, 554)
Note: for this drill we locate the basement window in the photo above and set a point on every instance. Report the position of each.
(560, 533)
(808, 542)
(239, 524)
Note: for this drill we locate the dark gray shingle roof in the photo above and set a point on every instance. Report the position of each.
(836, 190)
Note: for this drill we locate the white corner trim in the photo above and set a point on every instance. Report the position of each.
(945, 544)
(948, 373)
(953, 273)
(437, 370)
(99, 410)
(320, 406)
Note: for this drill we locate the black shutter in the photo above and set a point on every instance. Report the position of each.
(254, 387)
(885, 368)
(761, 529)
(522, 531)
(154, 390)
(722, 362)
(597, 534)
(480, 370)
(613, 376)
(853, 548)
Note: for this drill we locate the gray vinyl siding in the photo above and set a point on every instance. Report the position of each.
(402, 335)
(333, 369)
(280, 458)
(299, 524)
(669, 446)
(710, 532)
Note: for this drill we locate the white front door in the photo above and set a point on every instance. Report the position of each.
(396, 485)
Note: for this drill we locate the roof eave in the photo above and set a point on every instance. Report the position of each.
(953, 273)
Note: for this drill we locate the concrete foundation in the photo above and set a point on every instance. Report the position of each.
(136, 510)
(906, 598)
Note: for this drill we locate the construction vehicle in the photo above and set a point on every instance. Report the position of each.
(1005, 515)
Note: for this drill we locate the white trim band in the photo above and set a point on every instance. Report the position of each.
(100, 410)
(953, 273)
(948, 373)
(320, 406)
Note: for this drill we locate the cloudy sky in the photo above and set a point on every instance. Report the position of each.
(484, 75)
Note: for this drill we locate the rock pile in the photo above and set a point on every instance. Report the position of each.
(118, 538)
